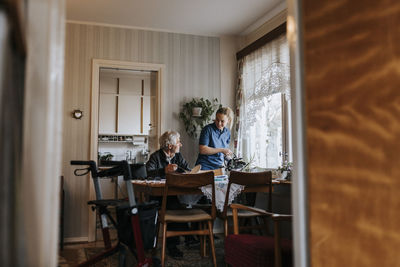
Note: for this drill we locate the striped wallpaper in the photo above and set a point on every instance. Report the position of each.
(192, 70)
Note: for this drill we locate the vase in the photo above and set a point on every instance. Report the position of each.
(196, 111)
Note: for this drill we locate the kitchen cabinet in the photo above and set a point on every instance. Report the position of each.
(125, 104)
(107, 113)
(129, 117)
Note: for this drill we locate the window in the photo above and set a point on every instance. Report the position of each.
(264, 107)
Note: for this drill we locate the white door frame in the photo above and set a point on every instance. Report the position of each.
(299, 186)
(94, 117)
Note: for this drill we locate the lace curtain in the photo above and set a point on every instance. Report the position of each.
(263, 80)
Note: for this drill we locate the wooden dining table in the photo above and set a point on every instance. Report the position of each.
(145, 188)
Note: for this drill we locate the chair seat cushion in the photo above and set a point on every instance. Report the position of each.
(250, 250)
(189, 215)
(243, 213)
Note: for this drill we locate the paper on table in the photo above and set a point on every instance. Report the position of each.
(195, 169)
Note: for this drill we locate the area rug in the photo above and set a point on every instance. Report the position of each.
(107, 262)
(192, 258)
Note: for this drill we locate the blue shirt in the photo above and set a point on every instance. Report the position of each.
(211, 136)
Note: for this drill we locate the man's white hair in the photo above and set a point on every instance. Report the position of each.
(169, 138)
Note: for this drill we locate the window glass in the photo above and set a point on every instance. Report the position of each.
(265, 121)
(264, 138)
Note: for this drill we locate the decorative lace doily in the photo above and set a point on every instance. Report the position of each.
(220, 193)
(275, 79)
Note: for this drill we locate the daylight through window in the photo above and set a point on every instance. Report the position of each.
(264, 121)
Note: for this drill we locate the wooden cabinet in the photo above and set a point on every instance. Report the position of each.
(125, 104)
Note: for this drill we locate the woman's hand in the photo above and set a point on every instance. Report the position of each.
(171, 168)
(206, 150)
(226, 151)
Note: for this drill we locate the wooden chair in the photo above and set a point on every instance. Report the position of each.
(251, 250)
(218, 172)
(260, 182)
(182, 184)
(62, 199)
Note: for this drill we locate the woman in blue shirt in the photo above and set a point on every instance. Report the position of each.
(214, 141)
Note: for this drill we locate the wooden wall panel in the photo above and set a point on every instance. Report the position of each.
(192, 70)
(352, 68)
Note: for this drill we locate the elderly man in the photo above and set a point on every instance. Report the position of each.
(165, 160)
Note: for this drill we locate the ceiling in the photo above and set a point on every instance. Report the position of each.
(199, 17)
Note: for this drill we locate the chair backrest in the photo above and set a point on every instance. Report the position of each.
(186, 184)
(218, 172)
(256, 181)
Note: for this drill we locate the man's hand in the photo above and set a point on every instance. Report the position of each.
(171, 168)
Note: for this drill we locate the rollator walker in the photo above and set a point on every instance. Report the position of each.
(130, 216)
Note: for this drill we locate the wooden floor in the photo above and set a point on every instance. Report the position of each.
(73, 254)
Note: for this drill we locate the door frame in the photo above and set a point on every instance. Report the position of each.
(300, 199)
(94, 117)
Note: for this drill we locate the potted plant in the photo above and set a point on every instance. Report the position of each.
(107, 156)
(197, 113)
(286, 170)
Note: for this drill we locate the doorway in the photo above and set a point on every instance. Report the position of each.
(113, 105)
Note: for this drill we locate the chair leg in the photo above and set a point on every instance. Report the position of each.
(210, 230)
(258, 225)
(277, 251)
(205, 252)
(164, 238)
(266, 225)
(202, 241)
(226, 226)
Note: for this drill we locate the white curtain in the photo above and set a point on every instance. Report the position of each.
(265, 79)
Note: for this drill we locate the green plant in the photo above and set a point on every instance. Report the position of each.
(193, 123)
(286, 166)
(250, 164)
(106, 156)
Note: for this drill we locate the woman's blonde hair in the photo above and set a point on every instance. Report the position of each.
(229, 113)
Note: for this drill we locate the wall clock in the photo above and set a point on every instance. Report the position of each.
(77, 114)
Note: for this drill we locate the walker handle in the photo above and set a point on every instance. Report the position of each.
(91, 163)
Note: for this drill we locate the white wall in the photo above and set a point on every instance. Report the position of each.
(267, 23)
(229, 46)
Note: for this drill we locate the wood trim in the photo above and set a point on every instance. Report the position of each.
(94, 124)
(281, 29)
(141, 108)
(116, 112)
(116, 109)
(141, 115)
(285, 127)
(75, 239)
